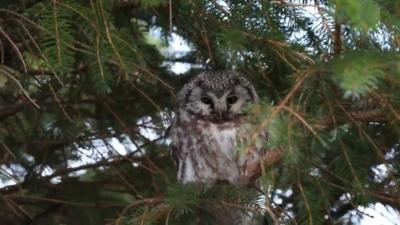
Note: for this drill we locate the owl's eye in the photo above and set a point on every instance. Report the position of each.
(207, 100)
(231, 100)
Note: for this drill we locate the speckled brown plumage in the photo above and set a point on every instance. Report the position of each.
(210, 134)
(206, 147)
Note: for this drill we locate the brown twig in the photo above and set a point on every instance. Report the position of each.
(365, 116)
(57, 100)
(337, 38)
(9, 110)
(145, 201)
(271, 157)
(204, 35)
(8, 150)
(10, 73)
(64, 202)
(277, 109)
(138, 203)
(19, 54)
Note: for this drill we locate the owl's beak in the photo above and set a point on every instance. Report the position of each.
(220, 114)
(220, 111)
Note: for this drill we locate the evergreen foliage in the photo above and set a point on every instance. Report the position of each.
(86, 98)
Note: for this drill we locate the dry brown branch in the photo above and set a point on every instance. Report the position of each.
(19, 208)
(8, 150)
(239, 206)
(306, 202)
(110, 162)
(145, 201)
(271, 157)
(34, 199)
(301, 77)
(337, 38)
(15, 47)
(57, 100)
(10, 73)
(9, 110)
(271, 212)
(204, 36)
(366, 116)
(138, 203)
(11, 208)
(291, 4)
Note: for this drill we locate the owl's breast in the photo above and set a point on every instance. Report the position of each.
(208, 152)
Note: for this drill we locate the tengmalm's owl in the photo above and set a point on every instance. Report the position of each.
(211, 129)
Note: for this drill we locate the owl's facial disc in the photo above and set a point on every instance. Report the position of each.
(219, 108)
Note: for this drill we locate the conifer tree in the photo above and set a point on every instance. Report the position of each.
(87, 95)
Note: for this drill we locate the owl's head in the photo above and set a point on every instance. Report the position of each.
(217, 96)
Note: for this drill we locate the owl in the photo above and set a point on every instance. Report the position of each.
(211, 129)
